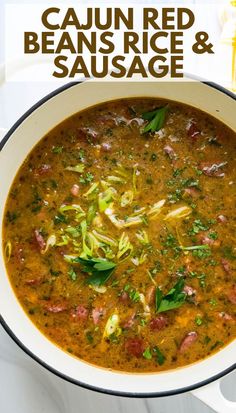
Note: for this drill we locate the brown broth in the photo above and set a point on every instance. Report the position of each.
(189, 162)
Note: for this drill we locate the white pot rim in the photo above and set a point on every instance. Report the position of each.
(120, 389)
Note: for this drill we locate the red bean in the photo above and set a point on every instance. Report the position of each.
(226, 265)
(188, 340)
(158, 323)
(134, 346)
(97, 313)
(124, 297)
(232, 294)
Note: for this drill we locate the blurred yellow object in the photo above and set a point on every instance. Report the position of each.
(228, 37)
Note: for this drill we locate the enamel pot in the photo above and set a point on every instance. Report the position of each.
(200, 377)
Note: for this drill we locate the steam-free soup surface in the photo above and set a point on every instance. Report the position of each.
(119, 235)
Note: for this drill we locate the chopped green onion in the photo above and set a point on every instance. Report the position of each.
(142, 237)
(112, 326)
(77, 168)
(8, 250)
(126, 198)
(125, 248)
(147, 353)
(105, 198)
(178, 213)
(196, 247)
(92, 190)
(51, 241)
(105, 239)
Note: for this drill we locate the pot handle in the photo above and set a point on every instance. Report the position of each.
(212, 396)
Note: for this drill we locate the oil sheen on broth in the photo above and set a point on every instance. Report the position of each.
(119, 235)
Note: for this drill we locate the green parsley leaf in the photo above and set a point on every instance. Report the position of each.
(156, 119)
(173, 299)
(86, 179)
(198, 320)
(99, 269)
(160, 356)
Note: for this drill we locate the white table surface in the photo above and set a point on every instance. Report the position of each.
(26, 387)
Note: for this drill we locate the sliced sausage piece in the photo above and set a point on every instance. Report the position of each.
(226, 265)
(55, 307)
(39, 240)
(134, 346)
(97, 313)
(188, 340)
(158, 323)
(232, 294)
(80, 313)
(124, 297)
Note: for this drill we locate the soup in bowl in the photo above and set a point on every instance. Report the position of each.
(118, 234)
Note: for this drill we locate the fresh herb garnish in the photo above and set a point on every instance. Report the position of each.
(197, 227)
(77, 168)
(72, 274)
(198, 320)
(57, 149)
(173, 299)
(228, 252)
(159, 356)
(12, 216)
(86, 179)
(213, 302)
(147, 353)
(202, 253)
(99, 269)
(156, 119)
(60, 218)
(196, 247)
